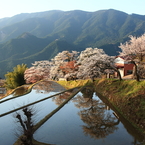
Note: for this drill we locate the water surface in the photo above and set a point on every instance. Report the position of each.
(84, 120)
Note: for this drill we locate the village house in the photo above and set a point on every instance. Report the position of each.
(2, 90)
(125, 68)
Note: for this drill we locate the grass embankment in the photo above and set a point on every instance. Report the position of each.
(127, 96)
(73, 84)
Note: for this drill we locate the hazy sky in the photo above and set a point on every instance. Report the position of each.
(10, 8)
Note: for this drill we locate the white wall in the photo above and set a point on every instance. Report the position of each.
(121, 70)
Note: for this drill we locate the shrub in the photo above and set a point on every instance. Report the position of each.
(16, 77)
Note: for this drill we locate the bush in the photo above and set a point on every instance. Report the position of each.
(15, 78)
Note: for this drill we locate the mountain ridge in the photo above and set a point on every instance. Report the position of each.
(39, 36)
(51, 22)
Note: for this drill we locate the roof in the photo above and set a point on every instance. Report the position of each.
(127, 57)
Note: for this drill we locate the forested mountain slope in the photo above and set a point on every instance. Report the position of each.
(25, 38)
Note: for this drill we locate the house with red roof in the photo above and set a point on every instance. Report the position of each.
(124, 67)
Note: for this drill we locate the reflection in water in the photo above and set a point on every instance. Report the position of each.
(43, 87)
(20, 91)
(59, 99)
(26, 129)
(96, 122)
(48, 86)
(99, 122)
(27, 126)
(138, 137)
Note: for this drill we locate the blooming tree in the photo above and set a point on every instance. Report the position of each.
(134, 51)
(85, 62)
(69, 70)
(69, 67)
(62, 60)
(93, 63)
(39, 70)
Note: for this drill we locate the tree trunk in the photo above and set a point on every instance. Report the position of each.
(135, 73)
(118, 72)
(119, 75)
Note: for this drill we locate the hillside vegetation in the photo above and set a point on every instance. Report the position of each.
(25, 38)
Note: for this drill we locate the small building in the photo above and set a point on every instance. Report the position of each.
(2, 90)
(124, 67)
(62, 79)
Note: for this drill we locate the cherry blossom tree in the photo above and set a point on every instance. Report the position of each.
(39, 70)
(69, 67)
(86, 63)
(93, 63)
(134, 51)
(69, 70)
(64, 58)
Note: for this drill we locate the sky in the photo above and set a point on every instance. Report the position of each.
(9, 8)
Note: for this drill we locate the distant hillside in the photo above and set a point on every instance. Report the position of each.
(97, 28)
(25, 38)
(27, 49)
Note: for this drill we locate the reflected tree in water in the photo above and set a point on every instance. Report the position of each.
(47, 86)
(99, 122)
(27, 126)
(84, 100)
(43, 87)
(59, 99)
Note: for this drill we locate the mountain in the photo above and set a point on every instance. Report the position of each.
(75, 26)
(25, 38)
(27, 48)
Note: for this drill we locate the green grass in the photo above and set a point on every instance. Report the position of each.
(73, 84)
(124, 88)
(127, 96)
